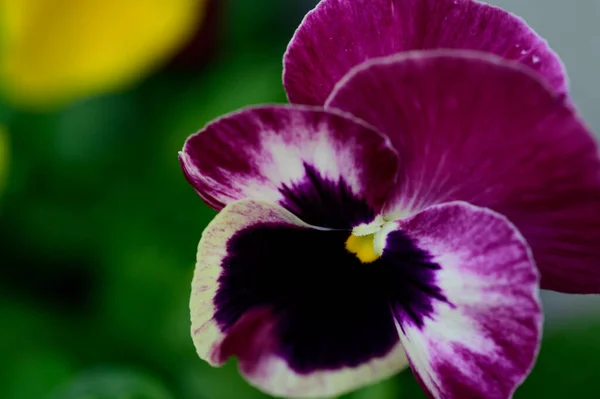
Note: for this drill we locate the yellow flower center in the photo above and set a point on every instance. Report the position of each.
(367, 240)
(363, 247)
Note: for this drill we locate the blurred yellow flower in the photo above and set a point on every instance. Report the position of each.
(56, 50)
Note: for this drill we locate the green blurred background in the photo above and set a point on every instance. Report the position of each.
(99, 232)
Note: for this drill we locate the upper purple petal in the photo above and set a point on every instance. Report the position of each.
(328, 169)
(340, 34)
(473, 127)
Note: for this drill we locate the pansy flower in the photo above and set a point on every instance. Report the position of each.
(398, 224)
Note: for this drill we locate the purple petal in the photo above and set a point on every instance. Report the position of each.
(478, 129)
(340, 34)
(328, 169)
(481, 338)
(303, 315)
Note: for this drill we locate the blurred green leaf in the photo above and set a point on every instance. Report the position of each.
(567, 364)
(388, 389)
(112, 384)
(34, 362)
(201, 381)
(4, 156)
